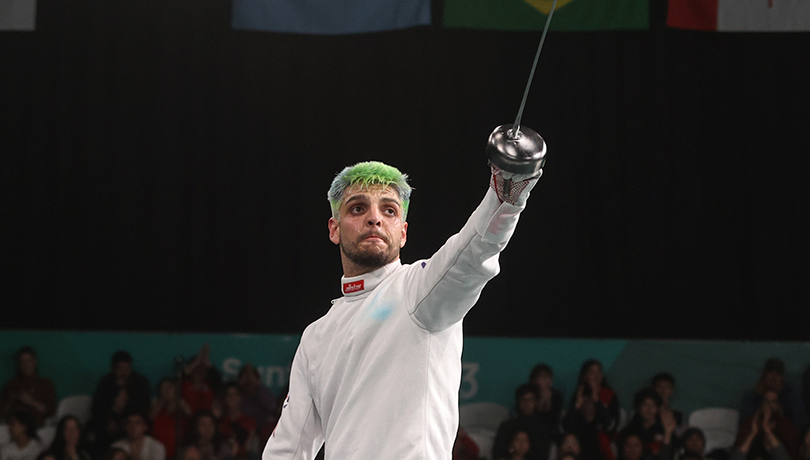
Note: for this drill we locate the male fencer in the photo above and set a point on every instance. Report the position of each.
(378, 376)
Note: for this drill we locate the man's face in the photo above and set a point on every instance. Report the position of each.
(370, 231)
(648, 410)
(527, 403)
(774, 381)
(665, 389)
(694, 444)
(122, 370)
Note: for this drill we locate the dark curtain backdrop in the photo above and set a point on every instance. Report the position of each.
(163, 172)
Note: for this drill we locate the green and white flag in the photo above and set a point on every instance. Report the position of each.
(528, 15)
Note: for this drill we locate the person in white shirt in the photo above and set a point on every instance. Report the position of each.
(24, 445)
(377, 377)
(137, 443)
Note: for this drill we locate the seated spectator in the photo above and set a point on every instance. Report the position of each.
(646, 423)
(631, 447)
(550, 402)
(169, 410)
(200, 382)
(773, 379)
(70, 442)
(664, 385)
(520, 447)
(118, 393)
(593, 413)
(526, 420)
(137, 443)
(24, 445)
(569, 445)
(236, 426)
(694, 443)
(768, 434)
(47, 455)
(202, 433)
(258, 402)
(464, 448)
(27, 391)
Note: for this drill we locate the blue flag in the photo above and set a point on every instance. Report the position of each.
(327, 17)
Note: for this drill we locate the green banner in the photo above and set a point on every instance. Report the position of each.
(528, 15)
(706, 373)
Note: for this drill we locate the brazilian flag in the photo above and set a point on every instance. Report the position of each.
(528, 15)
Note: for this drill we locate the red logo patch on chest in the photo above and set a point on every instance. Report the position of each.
(353, 287)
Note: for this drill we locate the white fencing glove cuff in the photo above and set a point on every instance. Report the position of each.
(512, 188)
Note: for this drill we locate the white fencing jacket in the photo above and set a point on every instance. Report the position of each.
(377, 377)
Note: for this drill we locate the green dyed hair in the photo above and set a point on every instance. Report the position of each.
(367, 174)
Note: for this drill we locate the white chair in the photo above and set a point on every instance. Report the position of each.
(5, 436)
(481, 422)
(46, 435)
(75, 405)
(719, 425)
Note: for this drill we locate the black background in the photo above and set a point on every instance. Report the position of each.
(163, 172)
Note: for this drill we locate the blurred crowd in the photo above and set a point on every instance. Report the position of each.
(771, 422)
(193, 415)
(196, 415)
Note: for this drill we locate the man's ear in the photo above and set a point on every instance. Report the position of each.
(404, 235)
(334, 230)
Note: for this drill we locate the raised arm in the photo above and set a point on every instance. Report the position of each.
(449, 284)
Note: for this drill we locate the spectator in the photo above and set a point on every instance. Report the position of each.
(118, 393)
(520, 447)
(47, 455)
(569, 445)
(200, 382)
(694, 443)
(550, 402)
(631, 447)
(137, 443)
(646, 423)
(768, 434)
(664, 385)
(258, 402)
(236, 426)
(27, 391)
(70, 442)
(203, 434)
(169, 414)
(540, 432)
(593, 412)
(773, 379)
(24, 445)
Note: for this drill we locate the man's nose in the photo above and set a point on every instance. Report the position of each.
(374, 217)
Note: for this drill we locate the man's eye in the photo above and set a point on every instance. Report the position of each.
(357, 209)
(391, 212)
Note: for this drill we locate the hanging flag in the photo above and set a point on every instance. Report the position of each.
(740, 15)
(18, 14)
(525, 15)
(329, 16)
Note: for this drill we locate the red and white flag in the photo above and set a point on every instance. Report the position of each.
(740, 15)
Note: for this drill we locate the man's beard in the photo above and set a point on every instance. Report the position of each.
(369, 259)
